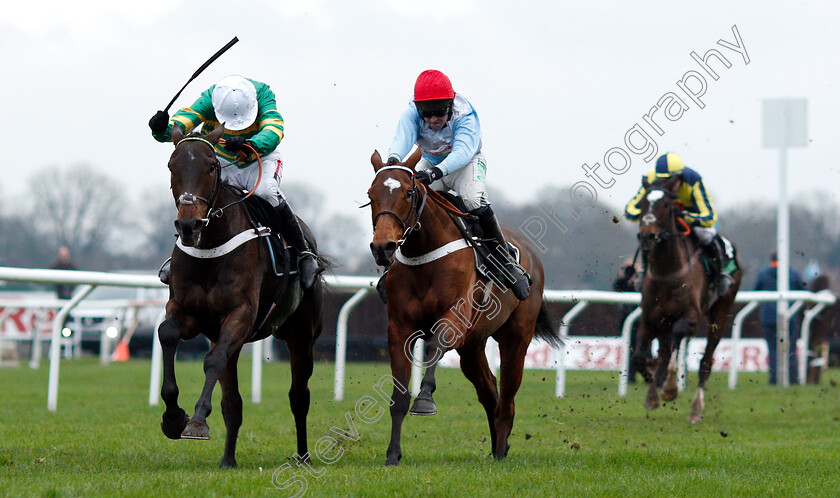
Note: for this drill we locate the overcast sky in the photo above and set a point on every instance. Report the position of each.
(556, 85)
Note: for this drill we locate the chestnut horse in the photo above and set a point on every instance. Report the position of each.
(435, 293)
(675, 297)
(222, 292)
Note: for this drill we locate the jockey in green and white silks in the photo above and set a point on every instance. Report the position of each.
(695, 206)
(248, 111)
(445, 126)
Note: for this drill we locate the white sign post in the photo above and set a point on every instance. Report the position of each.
(784, 125)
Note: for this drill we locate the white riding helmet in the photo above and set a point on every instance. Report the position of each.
(235, 102)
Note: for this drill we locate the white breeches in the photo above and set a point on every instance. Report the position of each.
(468, 181)
(245, 178)
(705, 234)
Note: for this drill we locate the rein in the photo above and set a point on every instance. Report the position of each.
(682, 228)
(212, 211)
(417, 211)
(190, 198)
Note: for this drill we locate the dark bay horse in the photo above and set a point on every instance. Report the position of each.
(675, 297)
(435, 293)
(231, 294)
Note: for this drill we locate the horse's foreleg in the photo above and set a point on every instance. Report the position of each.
(424, 404)
(174, 417)
(641, 352)
(652, 398)
(683, 328)
(669, 388)
(401, 397)
(476, 370)
(301, 360)
(231, 411)
(663, 359)
(231, 337)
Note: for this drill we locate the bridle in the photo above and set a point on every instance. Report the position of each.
(649, 219)
(189, 198)
(664, 232)
(418, 203)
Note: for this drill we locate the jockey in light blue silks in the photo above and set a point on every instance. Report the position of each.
(445, 126)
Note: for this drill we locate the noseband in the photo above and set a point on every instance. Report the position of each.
(650, 219)
(188, 198)
(417, 206)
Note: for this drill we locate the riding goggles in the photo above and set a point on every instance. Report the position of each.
(433, 109)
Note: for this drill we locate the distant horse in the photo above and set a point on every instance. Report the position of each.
(229, 293)
(435, 293)
(676, 295)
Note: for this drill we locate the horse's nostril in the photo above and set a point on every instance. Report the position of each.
(390, 248)
(189, 226)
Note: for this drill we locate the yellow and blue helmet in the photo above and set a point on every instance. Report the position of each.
(668, 165)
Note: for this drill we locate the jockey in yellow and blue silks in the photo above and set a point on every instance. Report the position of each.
(696, 208)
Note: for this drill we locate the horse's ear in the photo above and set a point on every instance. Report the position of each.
(673, 184)
(376, 160)
(414, 158)
(177, 134)
(645, 183)
(214, 136)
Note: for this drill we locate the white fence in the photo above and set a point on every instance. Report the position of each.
(364, 286)
(589, 345)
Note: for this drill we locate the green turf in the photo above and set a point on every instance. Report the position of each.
(105, 440)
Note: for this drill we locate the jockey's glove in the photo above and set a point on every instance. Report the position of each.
(427, 176)
(159, 122)
(234, 144)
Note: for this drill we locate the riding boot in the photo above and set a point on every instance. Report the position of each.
(640, 280)
(725, 280)
(163, 272)
(308, 264)
(718, 254)
(498, 247)
(380, 287)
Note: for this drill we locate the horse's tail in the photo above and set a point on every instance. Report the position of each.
(546, 329)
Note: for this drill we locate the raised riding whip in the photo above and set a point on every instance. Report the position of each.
(202, 68)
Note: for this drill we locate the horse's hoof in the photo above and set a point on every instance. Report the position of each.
(669, 394)
(195, 430)
(423, 406)
(695, 418)
(651, 404)
(173, 428)
(503, 455)
(228, 463)
(393, 460)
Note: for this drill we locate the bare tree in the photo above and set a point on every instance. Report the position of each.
(159, 212)
(78, 207)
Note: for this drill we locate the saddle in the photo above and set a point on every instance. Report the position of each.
(713, 265)
(261, 215)
(473, 235)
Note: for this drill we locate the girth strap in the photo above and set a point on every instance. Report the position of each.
(225, 248)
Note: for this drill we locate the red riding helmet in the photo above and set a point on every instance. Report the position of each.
(433, 85)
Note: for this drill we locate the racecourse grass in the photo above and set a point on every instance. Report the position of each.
(105, 439)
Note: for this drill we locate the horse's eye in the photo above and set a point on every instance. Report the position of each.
(409, 194)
